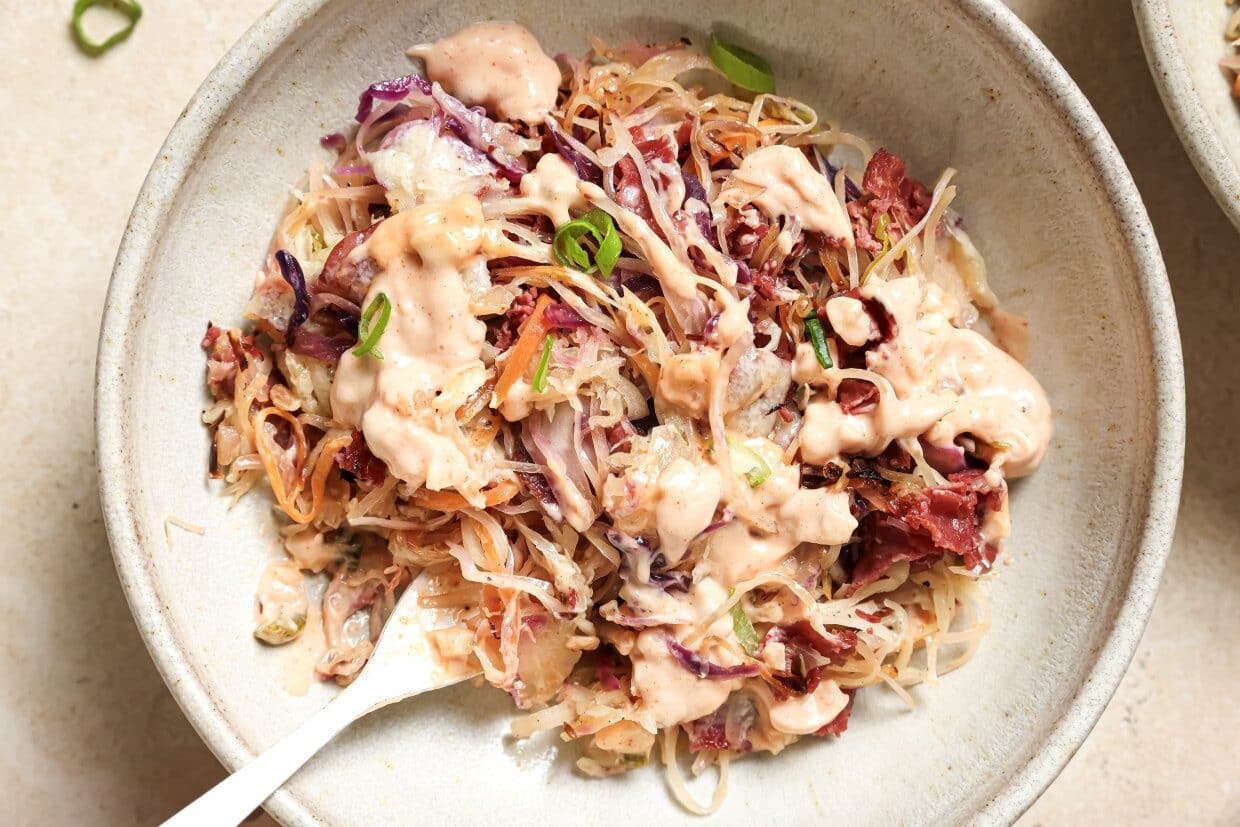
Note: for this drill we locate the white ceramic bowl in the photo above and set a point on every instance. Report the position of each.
(958, 82)
(1184, 43)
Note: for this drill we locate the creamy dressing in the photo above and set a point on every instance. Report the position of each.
(688, 494)
(671, 693)
(1011, 332)
(551, 190)
(806, 714)
(791, 188)
(774, 519)
(301, 656)
(940, 380)
(405, 403)
(500, 66)
(685, 380)
(849, 320)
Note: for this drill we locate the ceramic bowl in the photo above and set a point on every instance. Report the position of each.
(1046, 196)
(1184, 43)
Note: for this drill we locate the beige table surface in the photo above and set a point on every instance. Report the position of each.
(88, 733)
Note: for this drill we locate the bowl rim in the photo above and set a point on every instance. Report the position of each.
(1186, 107)
(239, 65)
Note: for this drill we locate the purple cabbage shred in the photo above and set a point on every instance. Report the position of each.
(703, 668)
(586, 169)
(474, 128)
(333, 141)
(291, 271)
(318, 346)
(560, 316)
(388, 90)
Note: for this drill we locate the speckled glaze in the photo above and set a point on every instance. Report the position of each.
(1183, 42)
(1049, 202)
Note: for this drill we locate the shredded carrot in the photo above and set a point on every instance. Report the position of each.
(523, 351)
(736, 141)
(318, 481)
(452, 501)
(771, 122)
(489, 549)
(649, 371)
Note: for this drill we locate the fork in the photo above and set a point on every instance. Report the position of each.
(403, 664)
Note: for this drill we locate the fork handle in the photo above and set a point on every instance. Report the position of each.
(234, 798)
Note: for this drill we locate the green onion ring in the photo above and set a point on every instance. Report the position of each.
(129, 8)
(745, 633)
(818, 339)
(598, 225)
(369, 336)
(741, 66)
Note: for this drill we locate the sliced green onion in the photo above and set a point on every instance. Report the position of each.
(609, 248)
(368, 335)
(745, 634)
(880, 232)
(741, 66)
(818, 339)
(745, 461)
(130, 9)
(598, 225)
(544, 361)
(754, 467)
(759, 474)
(568, 251)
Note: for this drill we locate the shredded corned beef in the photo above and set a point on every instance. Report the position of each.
(897, 459)
(893, 191)
(806, 653)
(862, 217)
(728, 727)
(342, 277)
(888, 190)
(945, 514)
(874, 617)
(654, 148)
(923, 526)
(742, 231)
(883, 321)
(629, 191)
(856, 396)
(880, 542)
(536, 484)
(618, 435)
(709, 732)
(356, 459)
(318, 346)
(506, 328)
